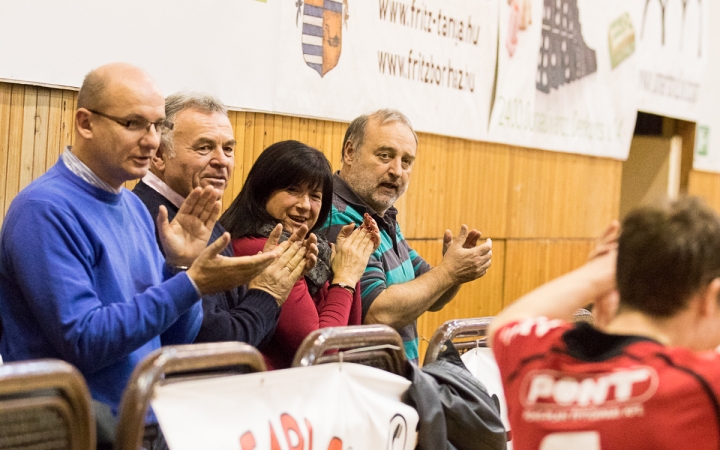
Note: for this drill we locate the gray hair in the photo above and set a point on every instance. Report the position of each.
(180, 101)
(356, 130)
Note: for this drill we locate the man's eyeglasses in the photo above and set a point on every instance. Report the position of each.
(138, 123)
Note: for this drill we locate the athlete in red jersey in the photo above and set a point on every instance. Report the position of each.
(649, 379)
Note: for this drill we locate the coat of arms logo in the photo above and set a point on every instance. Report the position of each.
(322, 22)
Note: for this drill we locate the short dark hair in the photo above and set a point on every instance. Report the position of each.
(666, 254)
(280, 166)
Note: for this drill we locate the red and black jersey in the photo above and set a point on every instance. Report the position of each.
(574, 387)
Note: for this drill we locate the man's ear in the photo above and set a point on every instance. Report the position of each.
(158, 159)
(710, 297)
(82, 123)
(349, 151)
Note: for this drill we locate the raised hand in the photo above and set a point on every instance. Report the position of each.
(298, 235)
(607, 241)
(606, 303)
(214, 273)
(352, 251)
(463, 259)
(280, 276)
(187, 235)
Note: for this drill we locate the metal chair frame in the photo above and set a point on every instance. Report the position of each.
(373, 345)
(50, 384)
(466, 334)
(175, 364)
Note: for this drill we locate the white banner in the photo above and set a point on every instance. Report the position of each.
(433, 60)
(673, 43)
(707, 131)
(328, 407)
(565, 76)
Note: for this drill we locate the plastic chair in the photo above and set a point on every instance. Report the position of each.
(175, 364)
(44, 404)
(372, 345)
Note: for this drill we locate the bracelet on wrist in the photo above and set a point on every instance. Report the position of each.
(347, 287)
(177, 269)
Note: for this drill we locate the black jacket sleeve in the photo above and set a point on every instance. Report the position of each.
(251, 320)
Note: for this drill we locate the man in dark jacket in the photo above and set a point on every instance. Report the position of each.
(199, 151)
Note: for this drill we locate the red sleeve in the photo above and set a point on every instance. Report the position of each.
(301, 314)
(518, 340)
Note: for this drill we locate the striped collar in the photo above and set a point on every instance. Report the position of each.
(80, 169)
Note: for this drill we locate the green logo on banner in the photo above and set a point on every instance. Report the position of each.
(702, 140)
(621, 40)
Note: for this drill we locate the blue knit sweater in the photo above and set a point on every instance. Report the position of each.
(82, 279)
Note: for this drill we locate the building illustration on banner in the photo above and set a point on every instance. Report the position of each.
(564, 56)
(322, 22)
(662, 4)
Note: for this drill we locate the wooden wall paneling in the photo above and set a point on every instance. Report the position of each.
(477, 192)
(286, 128)
(525, 267)
(12, 182)
(530, 263)
(425, 202)
(55, 125)
(268, 131)
(294, 128)
(312, 129)
(559, 195)
(335, 145)
(249, 144)
(5, 110)
(237, 119)
(259, 139)
(319, 137)
(69, 108)
(707, 186)
(28, 136)
(482, 297)
(302, 130)
(40, 145)
(528, 193)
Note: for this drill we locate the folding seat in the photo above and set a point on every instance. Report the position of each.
(44, 404)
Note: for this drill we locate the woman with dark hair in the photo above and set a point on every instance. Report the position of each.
(291, 183)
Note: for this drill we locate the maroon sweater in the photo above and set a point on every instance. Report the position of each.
(302, 313)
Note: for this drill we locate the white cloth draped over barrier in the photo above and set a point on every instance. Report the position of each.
(564, 75)
(330, 406)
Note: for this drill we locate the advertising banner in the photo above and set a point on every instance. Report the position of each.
(330, 59)
(565, 76)
(433, 60)
(707, 130)
(673, 43)
(328, 407)
(562, 75)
